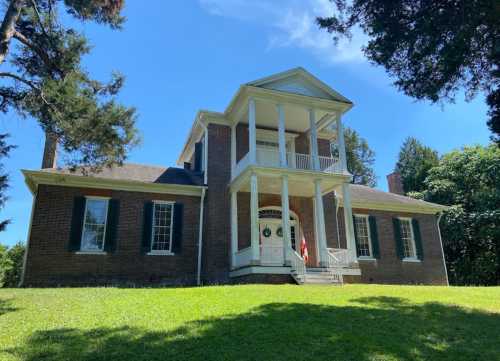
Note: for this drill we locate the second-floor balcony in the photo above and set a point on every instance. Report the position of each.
(268, 157)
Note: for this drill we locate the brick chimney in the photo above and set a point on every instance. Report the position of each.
(49, 159)
(395, 183)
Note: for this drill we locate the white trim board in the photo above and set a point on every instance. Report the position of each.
(35, 178)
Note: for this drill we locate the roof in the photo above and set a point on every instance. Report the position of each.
(140, 173)
(371, 198)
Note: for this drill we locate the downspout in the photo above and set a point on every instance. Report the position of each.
(25, 257)
(440, 214)
(200, 236)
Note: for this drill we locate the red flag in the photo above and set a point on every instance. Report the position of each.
(303, 250)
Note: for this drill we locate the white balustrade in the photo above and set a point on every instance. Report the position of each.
(298, 266)
(338, 257)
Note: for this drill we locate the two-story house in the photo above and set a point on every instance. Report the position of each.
(260, 184)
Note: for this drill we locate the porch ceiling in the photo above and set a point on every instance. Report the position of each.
(296, 117)
(300, 184)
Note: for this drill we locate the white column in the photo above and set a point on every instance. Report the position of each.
(233, 149)
(341, 144)
(234, 227)
(313, 139)
(349, 224)
(252, 137)
(281, 135)
(254, 218)
(285, 216)
(320, 215)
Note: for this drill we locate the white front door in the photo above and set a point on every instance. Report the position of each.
(271, 235)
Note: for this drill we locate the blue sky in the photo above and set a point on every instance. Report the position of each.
(181, 56)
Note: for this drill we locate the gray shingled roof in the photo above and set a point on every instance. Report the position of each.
(364, 194)
(141, 173)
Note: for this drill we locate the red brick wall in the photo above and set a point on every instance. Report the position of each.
(51, 263)
(389, 268)
(216, 246)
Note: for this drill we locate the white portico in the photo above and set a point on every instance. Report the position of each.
(271, 118)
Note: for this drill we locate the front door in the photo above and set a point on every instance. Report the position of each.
(271, 235)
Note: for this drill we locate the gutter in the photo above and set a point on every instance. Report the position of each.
(440, 214)
(200, 237)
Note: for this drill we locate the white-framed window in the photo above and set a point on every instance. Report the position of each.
(363, 236)
(163, 224)
(407, 239)
(94, 224)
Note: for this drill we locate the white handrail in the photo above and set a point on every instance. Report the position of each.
(339, 257)
(298, 265)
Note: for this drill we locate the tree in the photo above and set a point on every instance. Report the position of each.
(431, 48)
(360, 158)
(467, 181)
(414, 163)
(11, 265)
(43, 78)
(4, 178)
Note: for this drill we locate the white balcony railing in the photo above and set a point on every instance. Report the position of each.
(271, 158)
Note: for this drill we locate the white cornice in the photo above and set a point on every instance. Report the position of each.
(35, 178)
(392, 207)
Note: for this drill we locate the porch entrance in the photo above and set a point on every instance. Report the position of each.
(272, 249)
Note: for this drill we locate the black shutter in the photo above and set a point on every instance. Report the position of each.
(355, 235)
(397, 237)
(147, 226)
(178, 222)
(75, 237)
(198, 151)
(418, 239)
(112, 225)
(374, 237)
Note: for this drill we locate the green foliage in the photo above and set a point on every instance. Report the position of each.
(11, 264)
(468, 181)
(414, 162)
(46, 81)
(431, 48)
(5, 149)
(360, 158)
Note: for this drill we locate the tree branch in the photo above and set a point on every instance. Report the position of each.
(22, 80)
(42, 54)
(7, 28)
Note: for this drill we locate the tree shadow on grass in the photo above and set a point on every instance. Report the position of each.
(378, 328)
(5, 307)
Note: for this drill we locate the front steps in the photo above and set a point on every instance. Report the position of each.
(319, 276)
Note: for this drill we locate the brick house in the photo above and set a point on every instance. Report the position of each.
(258, 185)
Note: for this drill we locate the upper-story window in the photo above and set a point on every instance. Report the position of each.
(163, 217)
(407, 238)
(94, 224)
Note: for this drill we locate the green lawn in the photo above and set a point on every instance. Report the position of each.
(354, 322)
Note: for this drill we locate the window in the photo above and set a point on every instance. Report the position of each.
(363, 236)
(407, 238)
(94, 224)
(163, 216)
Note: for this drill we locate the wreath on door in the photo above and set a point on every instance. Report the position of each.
(279, 232)
(266, 232)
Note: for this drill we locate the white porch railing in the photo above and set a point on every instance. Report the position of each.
(243, 257)
(339, 257)
(271, 158)
(298, 266)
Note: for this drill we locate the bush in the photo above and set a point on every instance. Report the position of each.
(11, 265)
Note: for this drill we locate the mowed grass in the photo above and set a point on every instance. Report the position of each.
(256, 322)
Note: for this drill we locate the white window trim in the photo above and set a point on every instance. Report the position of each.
(153, 252)
(414, 258)
(101, 251)
(368, 232)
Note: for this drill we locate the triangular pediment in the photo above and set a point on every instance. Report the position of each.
(299, 81)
